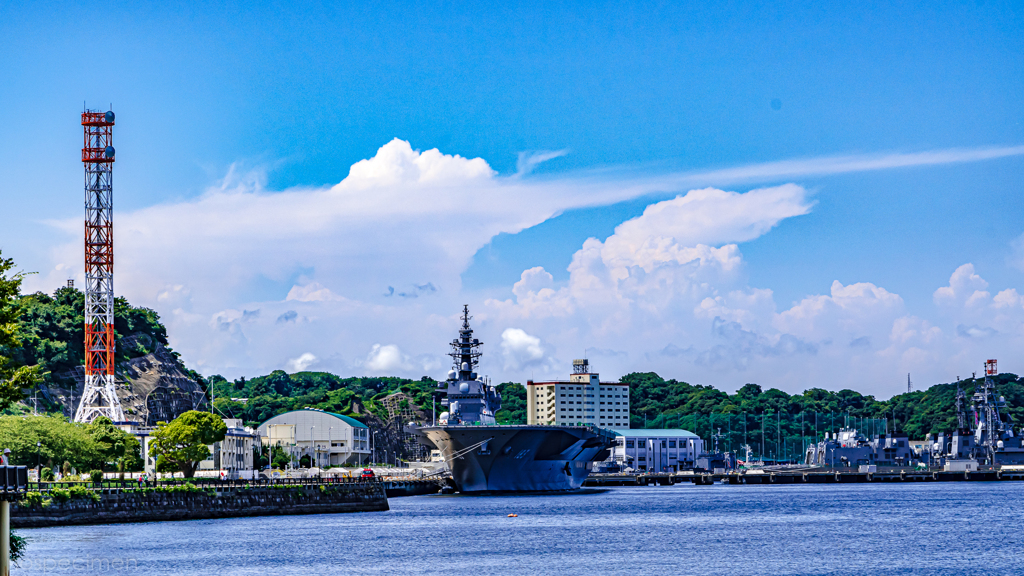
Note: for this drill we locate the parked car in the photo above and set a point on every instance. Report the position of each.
(367, 473)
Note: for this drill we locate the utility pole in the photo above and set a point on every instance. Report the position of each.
(762, 435)
(778, 435)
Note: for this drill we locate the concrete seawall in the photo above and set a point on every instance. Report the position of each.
(193, 503)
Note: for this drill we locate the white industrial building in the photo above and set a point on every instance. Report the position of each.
(329, 439)
(656, 450)
(581, 400)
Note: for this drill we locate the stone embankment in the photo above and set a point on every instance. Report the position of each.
(61, 504)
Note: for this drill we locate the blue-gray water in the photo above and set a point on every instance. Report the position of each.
(943, 528)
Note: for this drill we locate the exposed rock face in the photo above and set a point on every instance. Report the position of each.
(152, 388)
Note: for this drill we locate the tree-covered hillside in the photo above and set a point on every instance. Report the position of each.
(513, 403)
(258, 399)
(51, 331)
(789, 421)
(261, 398)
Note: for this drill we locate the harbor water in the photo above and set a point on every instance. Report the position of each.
(928, 528)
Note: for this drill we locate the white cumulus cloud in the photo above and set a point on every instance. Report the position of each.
(521, 350)
(250, 279)
(386, 359)
(301, 363)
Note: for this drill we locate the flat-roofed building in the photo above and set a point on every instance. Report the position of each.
(328, 439)
(581, 400)
(656, 450)
(234, 455)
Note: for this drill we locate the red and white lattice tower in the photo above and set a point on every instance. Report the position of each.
(99, 397)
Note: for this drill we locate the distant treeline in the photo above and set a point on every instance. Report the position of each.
(279, 392)
(791, 420)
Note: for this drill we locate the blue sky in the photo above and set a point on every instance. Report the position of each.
(262, 100)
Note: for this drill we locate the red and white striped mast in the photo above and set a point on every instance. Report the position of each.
(99, 398)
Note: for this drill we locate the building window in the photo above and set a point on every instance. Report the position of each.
(671, 443)
(630, 444)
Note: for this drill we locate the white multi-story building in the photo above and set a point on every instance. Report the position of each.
(234, 455)
(329, 439)
(583, 399)
(656, 450)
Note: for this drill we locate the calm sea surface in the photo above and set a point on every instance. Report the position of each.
(944, 528)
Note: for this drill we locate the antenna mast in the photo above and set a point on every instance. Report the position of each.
(99, 397)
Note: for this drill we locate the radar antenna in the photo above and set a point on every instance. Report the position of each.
(465, 349)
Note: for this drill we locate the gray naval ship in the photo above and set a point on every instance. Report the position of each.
(984, 436)
(486, 457)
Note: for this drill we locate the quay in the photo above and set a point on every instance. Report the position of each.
(70, 503)
(801, 476)
(412, 486)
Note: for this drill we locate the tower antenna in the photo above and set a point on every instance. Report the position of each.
(99, 398)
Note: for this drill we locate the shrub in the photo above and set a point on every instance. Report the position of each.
(84, 493)
(46, 475)
(187, 488)
(18, 545)
(60, 495)
(96, 476)
(32, 499)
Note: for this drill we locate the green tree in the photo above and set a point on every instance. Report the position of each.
(117, 448)
(513, 403)
(13, 377)
(280, 457)
(185, 441)
(49, 441)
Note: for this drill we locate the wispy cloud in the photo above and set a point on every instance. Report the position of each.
(529, 160)
(826, 165)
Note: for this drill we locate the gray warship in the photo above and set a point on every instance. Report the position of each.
(483, 456)
(984, 436)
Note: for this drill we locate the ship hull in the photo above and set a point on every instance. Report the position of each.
(518, 458)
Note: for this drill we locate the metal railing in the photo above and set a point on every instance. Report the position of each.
(117, 485)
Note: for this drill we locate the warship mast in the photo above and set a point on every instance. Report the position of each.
(465, 349)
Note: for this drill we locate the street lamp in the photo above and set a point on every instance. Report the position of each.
(39, 458)
(312, 446)
(330, 444)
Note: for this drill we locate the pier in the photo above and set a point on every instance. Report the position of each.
(801, 476)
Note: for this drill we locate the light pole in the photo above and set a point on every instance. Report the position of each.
(312, 447)
(39, 457)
